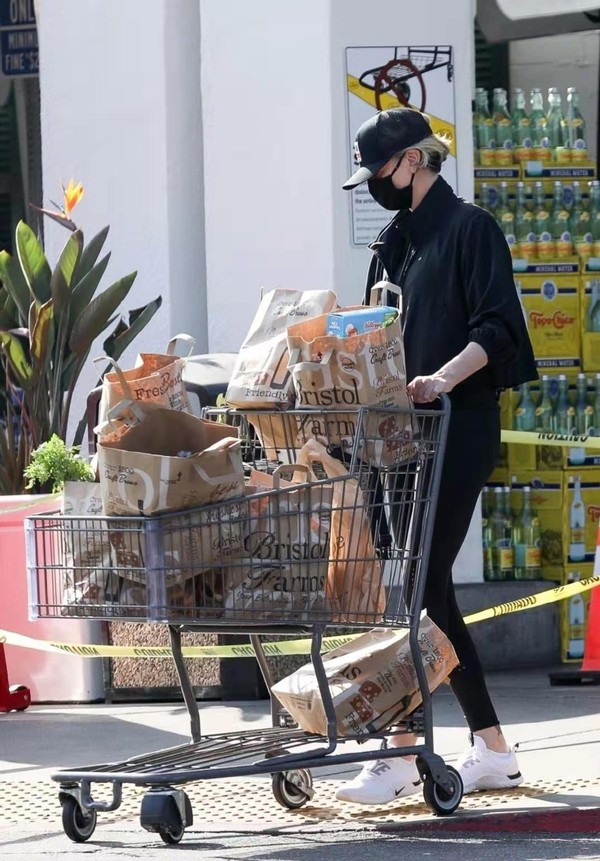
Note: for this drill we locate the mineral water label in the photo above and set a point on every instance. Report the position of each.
(487, 157)
(503, 156)
(533, 556)
(577, 536)
(584, 246)
(527, 249)
(564, 245)
(505, 557)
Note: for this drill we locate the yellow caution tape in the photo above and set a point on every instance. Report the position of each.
(571, 440)
(439, 126)
(286, 647)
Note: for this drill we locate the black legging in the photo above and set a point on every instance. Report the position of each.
(472, 452)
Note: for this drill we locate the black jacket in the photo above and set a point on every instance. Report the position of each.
(453, 266)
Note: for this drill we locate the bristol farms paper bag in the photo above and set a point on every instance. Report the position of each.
(282, 574)
(168, 462)
(260, 377)
(335, 376)
(373, 681)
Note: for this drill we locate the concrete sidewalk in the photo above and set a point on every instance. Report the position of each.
(557, 730)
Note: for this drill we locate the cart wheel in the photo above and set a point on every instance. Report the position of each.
(439, 800)
(171, 835)
(287, 793)
(78, 824)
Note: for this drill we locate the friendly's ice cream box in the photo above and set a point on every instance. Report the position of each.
(344, 324)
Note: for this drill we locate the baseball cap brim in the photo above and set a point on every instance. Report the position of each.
(363, 174)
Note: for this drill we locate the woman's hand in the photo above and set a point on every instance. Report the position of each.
(423, 390)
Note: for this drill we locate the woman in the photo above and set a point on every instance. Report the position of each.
(464, 334)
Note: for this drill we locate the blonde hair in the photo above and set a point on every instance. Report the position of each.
(434, 151)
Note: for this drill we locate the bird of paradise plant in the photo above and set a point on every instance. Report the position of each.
(49, 319)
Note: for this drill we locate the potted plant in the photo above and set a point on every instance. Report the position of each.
(49, 320)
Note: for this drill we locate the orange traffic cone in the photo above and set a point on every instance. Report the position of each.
(591, 655)
(13, 698)
(590, 667)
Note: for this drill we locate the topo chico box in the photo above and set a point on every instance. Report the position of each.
(550, 296)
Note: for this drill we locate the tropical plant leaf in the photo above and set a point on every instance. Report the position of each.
(33, 262)
(90, 253)
(15, 354)
(15, 283)
(7, 321)
(42, 335)
(83, 292)
(124, 334)
(60, 282)
(94, 319)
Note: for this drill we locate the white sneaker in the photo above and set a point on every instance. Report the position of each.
(382, 781)
(482, 768)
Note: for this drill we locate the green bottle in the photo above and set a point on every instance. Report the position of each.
(581, 224)
(525, 418)
(503, 156)
(554, 123)
(583, 410)
(486, 527)
(539, 134)
(574, 132)
(502, 546)
(542, 223)
(593, 314)
(527, 541)
(594, 208)
(506, 218)
(486, 138)
(544, 410)
(597, 409)
(524, 228)
(489, 197)
(561, 224)
(564, 418)
(521, 128)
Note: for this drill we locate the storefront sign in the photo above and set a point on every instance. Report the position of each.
(18, 38)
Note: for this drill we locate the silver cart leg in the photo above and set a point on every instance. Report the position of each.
(185, 683)
(280, 717)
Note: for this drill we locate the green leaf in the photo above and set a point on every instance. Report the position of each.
(83, 292)
(16, 356)
(124, 334)
(60, 282)
(90, 254)
(33, 262)
(42, 335)
(94, 319)
(15, 283)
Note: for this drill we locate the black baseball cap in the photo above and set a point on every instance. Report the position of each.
(382, 136)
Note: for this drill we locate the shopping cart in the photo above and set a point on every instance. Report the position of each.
(220, 569)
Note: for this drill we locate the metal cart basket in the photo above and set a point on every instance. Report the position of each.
(348, 551)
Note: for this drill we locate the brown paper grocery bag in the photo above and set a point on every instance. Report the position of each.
(354, 583)
(156, 378)
(372, 680)
(335, 377)
(261, 377)
(168, 462)
(282, 574)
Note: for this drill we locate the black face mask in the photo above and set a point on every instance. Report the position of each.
(385, 193)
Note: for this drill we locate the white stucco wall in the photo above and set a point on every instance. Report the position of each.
(121, 112)
(268, 157)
